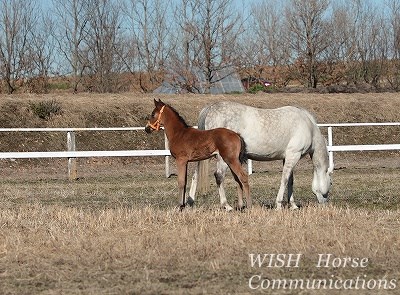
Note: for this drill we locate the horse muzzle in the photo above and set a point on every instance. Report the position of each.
(148, 129)
(152, 127)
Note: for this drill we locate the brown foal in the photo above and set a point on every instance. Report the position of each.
(189, 144)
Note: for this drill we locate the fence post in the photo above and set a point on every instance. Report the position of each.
(72, 165)
(330, 144)
(249, 166)
(166, 145)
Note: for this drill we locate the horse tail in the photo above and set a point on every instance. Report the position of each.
(203, 180)
(243, 151)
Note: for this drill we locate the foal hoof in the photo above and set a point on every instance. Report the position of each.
(241, 209)
(180, 208)
(190, 202)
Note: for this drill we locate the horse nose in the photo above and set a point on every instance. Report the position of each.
(148, 129)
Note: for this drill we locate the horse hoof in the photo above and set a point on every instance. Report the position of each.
(180, 208)
(190, 201)
(323, 202)
(228, 208)
(241, 209)
(294, 207)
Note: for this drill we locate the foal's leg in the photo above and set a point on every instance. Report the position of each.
(242, 179)
(219, 179)
(288, 166)
(182, 176)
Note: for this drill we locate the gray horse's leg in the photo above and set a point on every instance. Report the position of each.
(290, 192)
(288, 166)
(193, 187)
(219, 178)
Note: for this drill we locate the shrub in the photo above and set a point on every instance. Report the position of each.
(46, 109)
(256, 88)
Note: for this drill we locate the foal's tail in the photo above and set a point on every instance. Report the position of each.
(203, 181)
(243, 151)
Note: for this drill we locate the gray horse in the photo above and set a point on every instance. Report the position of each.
(286, 133)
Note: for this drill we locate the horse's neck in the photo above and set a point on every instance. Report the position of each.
(173, 126)
(320, 156)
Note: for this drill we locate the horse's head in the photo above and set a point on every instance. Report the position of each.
(155, 119)
(322, 184)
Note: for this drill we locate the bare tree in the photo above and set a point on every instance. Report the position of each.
(17, 18)
(184, 55)
(104, 41)
(368, 42)
(210, 30)
(373, 49)
(41, 51)
(358, 50)
(265, 41)
(308, 35)
(71, 33)
(341, 55)
(394, 8)
(317, 42)
(150, 26)
(393, 74)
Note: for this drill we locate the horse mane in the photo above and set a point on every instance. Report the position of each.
(179, 116)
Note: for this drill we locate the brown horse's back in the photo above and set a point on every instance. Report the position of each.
(224, 139)
(193, 143)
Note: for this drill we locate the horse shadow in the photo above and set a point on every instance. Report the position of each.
(271, 205)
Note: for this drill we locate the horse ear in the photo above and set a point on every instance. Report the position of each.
(159, 102)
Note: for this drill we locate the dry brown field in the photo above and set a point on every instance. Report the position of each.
(115, 230)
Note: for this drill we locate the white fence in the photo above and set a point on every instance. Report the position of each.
(347, 148)
(71, 153)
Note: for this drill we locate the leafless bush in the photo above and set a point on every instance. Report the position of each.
(46, 109)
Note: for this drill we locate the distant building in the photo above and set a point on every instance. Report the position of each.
(225, 80)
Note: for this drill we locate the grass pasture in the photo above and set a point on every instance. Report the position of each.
(121, 235)
(115, 230)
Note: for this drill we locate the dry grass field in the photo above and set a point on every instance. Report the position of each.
(115, 230)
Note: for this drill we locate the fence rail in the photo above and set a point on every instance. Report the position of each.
(71, 154)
